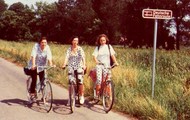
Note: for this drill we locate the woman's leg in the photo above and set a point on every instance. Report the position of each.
(41, 76)
(80, 73)
(99, 78)
(33, 84)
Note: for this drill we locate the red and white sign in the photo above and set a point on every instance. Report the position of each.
(156, 14)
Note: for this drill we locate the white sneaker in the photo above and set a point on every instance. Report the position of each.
(81, 99)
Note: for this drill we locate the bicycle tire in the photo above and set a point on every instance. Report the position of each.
(47, 95)
(28, 84)
(108, 96)
(72, 97)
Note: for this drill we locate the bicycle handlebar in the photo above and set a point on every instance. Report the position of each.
(46, 67)
(114, 65)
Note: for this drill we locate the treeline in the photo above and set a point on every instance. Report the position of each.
(88, 18)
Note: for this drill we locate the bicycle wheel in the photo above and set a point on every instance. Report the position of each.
(108, 96)
(47, 95)
(72, 97)
(28, 84)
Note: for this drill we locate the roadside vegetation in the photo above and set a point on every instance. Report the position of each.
(132, 78)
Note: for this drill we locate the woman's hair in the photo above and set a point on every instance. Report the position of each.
(42, 38)
(71, 39)
(99, 37)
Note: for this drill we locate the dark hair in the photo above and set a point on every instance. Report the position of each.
(42, 38)
(71, 39)
(99, 37)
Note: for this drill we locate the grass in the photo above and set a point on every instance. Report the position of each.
(132, 78)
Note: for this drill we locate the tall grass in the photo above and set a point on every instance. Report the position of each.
(132, 78)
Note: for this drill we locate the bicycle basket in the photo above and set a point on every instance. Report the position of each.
(27, 71)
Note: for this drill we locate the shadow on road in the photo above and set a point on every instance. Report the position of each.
(94, 107)
(15, 102)
(59, 105)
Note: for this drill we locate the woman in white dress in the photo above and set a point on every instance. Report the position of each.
(102, 54)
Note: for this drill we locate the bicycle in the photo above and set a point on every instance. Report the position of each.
(43, 90)
(74, 92)
(106, 91)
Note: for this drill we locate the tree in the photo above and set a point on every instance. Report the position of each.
(3, 6)
(17, 7)
(77, 18)
(9, 26)
(110, 13)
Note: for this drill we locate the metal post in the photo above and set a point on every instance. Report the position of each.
(154, 56)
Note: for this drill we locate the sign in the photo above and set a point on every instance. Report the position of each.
(156, 14)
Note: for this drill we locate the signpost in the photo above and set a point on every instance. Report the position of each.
(155, 14)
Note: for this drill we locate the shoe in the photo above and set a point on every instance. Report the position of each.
(81, 99)
(68, 102)
(96, 97)
(33, 97)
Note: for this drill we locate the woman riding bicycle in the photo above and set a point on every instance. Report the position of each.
(102, 55)
(40, 56)
(75, 59)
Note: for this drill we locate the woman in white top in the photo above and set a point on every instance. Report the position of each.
(75, 59)
(102, 54)
(40, 56)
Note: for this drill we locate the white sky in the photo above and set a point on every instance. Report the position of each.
(28, 2)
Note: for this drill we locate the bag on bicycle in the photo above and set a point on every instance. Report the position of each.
(92, 74)
(27, 71)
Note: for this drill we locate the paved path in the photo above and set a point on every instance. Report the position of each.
(13, 101)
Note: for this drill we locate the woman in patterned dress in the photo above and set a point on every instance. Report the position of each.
(75, 59)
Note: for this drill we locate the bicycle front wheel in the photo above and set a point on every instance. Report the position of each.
(72, 97)
(47, 95)
(108, 96)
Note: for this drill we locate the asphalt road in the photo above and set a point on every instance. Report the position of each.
(13, 101)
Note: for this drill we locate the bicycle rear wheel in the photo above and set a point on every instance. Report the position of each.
(72, 97)
(28, 84)
(47, 95)
(108, 96)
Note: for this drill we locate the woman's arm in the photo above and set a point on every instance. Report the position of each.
(65, 63)
(66, 59)
(50, 62)
(95, 59)
(113, 55)
(33, 63)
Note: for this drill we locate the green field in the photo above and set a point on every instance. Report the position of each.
(132, 78)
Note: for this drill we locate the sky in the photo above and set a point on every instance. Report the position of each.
(28, 2)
